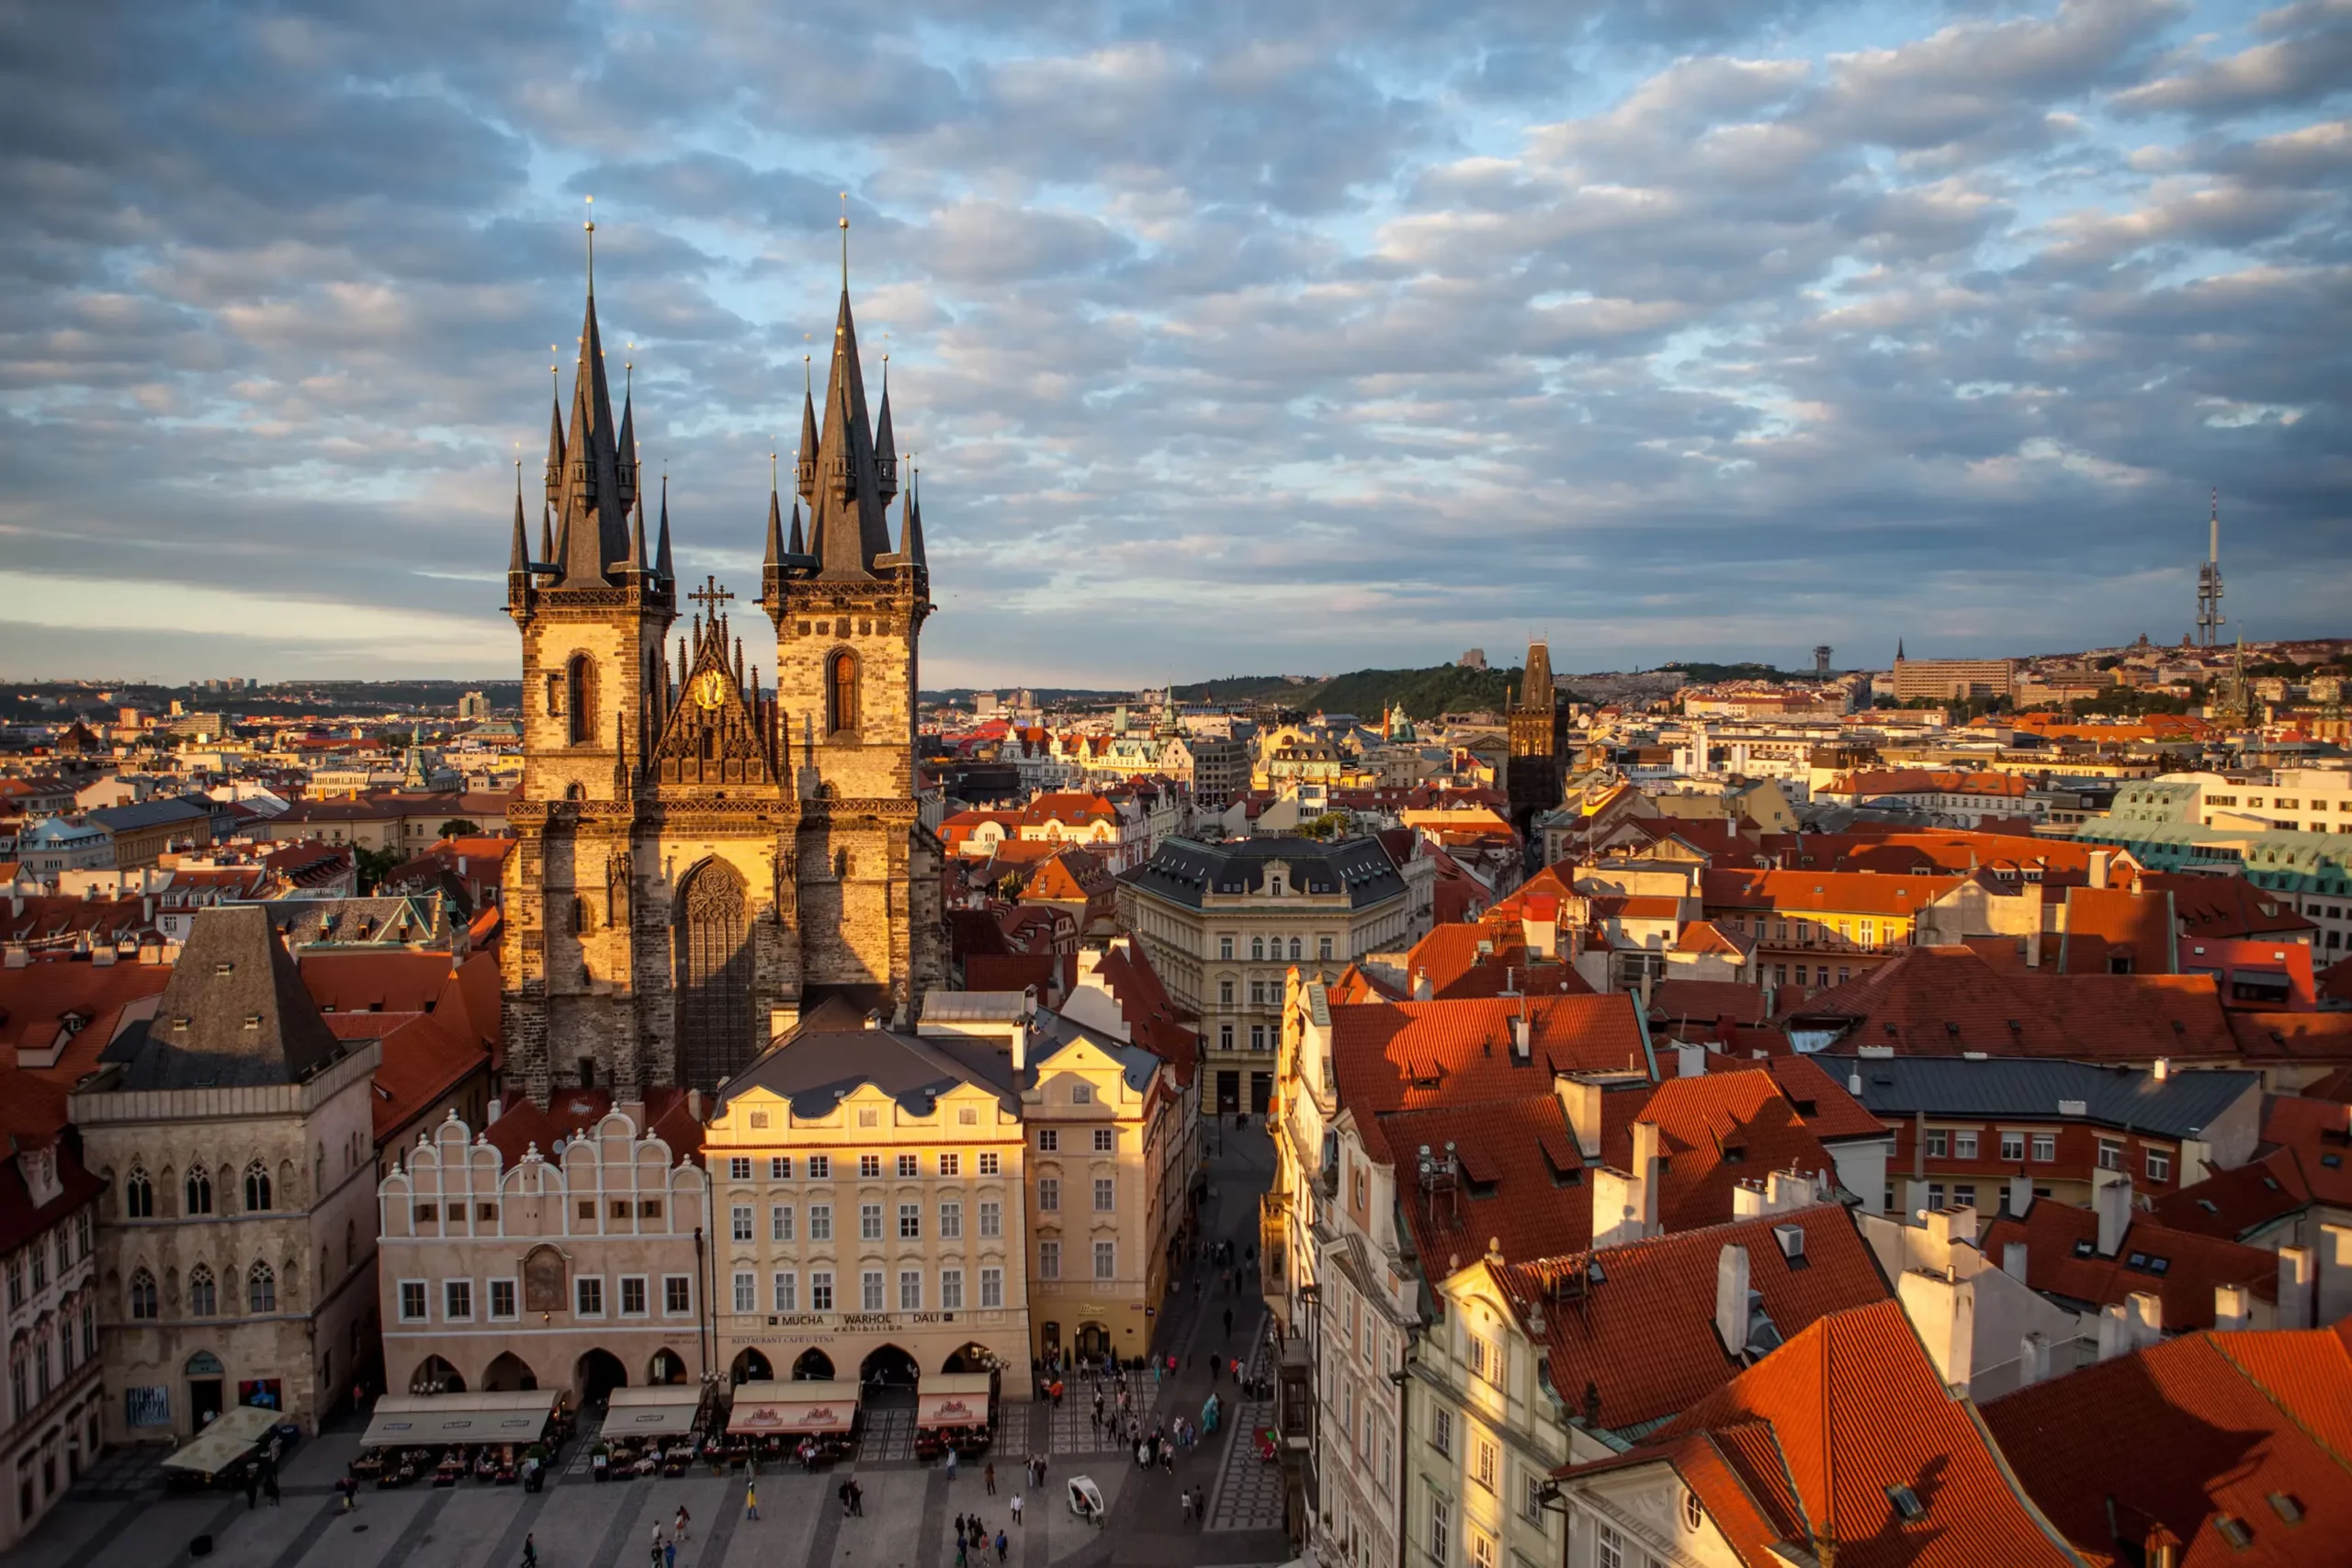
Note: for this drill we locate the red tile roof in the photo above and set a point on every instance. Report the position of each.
(2062, 1259)
(1706, 1001)
(37, 1002)
(1823, 892)
(1450, 957)
(2106, 926)
(423, 1060)
(1016, 970)
(1643, 1337)
(2318, 1133)
(1819, 1433)
(2293, 1036)
(1828, 1110)
(1153, 1021)
(2188, 1432)
(522, 1123)
(32, 1116)
(2233, 1204)
(1522, 1193)
(2226, 905)
(376, 982)
(1715, 1132)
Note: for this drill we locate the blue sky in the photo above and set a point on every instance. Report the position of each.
(1231, 337)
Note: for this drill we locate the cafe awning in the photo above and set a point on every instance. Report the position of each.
(489, 1417)
(658, 1411)
(793, 1408)
(953, 1399)
(232, 1434)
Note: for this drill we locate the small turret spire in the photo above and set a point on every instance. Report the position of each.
(774, 561)
(547, 536)
(805, 466)
(555, 438)
(641, 563)
(795, 547)
(910, 520)
(885, 451)
(628, 444)
(520, 559)
(662, 552)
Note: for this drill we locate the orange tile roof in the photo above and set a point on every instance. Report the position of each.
(1450, 956)
(2226, 905)
(2235, 1203)
(1850, 1408)
(1828, 1110)
(1715, 1132)
(423, 1060)
(36, 1000)
(1706, 1001)
(1521, 1192)
(2109, 924)
(2060, 1259)
(2294, 1037)
(1153, 1021)
(2188, 1432)
(1823, 892)
(376, 982)
(1642, 1339)
(2318, 1133)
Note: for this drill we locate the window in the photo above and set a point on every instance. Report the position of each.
(841, 693)
(869, 1165)
(1441, 1530)
(1938, 1144)
(950, 1290)
(911, 1290)
(2012, 1146)
(1225, 948)
(1106, 1140)
(1531, 1499)
(412, 1301)
(1482, 1550)
(740, 1222)
(677, 1294)
(967, 1116)
(502, 1299)
(1257, 1037)
(780, 1169)
(869, 1222)
(1935, 1194)
(1257, 948)
(991, 1164)
(203, 1296)
(1485, 1462)
(992, 1288)
(2045, 1148)
(821, 1221)
(2110, 1155)
(1964, 1145)
(1049, 1140)
(1050, 1260)
(578, 701)
(588, 1297)
(1050, 1195)
(820, 1290)
(759, 1119)
(908, 1165)
(1225, 1037)
(787, 1292)
(746, 1291)
(143, 1296)
(1224, 993)
(1106, 1259)
(910, 1222)
(199, 1193)
(951, 1221)
(1257, 993)
(780, 1228)
(1323, 948)
(257, 1189)
(1486, 1359)
(820, 1168)
(1608, 1549)
(1106, 1194)
(138, 1196)
(2160, 1165)
(1442, 1429)
(951, 1165)
(870, 1290)
(991, 1219)
(457, 1299)
(739, 1168)
(633, 1295)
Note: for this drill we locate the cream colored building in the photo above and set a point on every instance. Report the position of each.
(236, 1248)
(867, 1209)
(550, 1249)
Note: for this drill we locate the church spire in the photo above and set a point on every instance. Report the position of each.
(547, 556)
(555, 449)
(640, 562)
(885, 451)
(849, 527)
(661, 553)
(595, 515)
(911, 522)
(793, 545)
(804, 467)
(628, 444)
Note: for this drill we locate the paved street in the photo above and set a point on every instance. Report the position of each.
(121, 1517)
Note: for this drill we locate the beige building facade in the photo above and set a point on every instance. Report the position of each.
(548, 1250)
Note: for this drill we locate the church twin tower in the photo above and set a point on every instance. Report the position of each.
(700, 860)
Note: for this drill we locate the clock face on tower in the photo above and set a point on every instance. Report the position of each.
(710, 688)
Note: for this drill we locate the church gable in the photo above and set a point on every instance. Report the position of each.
(719, 731)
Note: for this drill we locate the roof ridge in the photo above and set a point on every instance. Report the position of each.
(2288, 1411)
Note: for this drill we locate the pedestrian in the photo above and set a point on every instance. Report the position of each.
(670, 1554)
(683, 1532)
(959, 1527)
(990, 1476)
(1016, 1509)
(269, 1486)
(530, 1552)
(751, 1498)
(253, 1488)
(1001, 1543)
(1185, 1499)
(1229, 1322)
(951, 1465)
(856, 1498)
(842, 1493)
(962, 1559)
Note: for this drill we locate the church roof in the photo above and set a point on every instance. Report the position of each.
(235, 1013)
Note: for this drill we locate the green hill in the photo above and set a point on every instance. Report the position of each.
(1368, 693)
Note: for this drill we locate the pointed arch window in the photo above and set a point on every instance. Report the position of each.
(200, 1192)
(261, 1289)
(137, 1195)
(257, 1190)
(714, 948)
(142, 1295)
(841, 693)
(580, 699)
(203, 1294)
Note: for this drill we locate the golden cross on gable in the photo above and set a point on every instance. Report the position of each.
(710, 596)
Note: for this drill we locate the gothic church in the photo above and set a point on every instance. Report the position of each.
(703, 859)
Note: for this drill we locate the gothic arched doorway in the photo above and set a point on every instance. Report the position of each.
(753, 1367)
(889, 1367)
(814, 1366)
(597, 1374)
(509, 1371)
(714, 975)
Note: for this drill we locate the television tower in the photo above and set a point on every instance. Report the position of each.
(2209, 584)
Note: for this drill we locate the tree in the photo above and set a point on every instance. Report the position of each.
(373, 866)
(458, 827)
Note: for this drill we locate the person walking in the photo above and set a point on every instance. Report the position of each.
(530, 1552)
(269, 1486)
(1229, 1322)
(253, 1489)
(951, 1465)
(857, 1499)
(670, 1554)
(1184, 1499)
(989, 1475)
(751, 1497)
(1002, 1544)
(682, 1530)
(1016, 1510)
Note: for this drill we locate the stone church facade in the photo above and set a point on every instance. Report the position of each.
(704, 857)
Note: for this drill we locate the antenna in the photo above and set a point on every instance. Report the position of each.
(591, 247)
(844, 241)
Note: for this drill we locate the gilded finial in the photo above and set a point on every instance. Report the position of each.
(592, 245)
(844, 241)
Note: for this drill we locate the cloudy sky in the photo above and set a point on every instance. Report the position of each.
(1233, 337)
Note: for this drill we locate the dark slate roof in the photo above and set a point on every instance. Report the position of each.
(235, 1013)
(2178, 1106)
(158, 812)
(1184, 870)
(817, 1067)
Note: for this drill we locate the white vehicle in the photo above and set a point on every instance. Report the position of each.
(1086, 1498)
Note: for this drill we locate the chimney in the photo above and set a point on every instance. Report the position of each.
(694, 1104)
(1746, 1201)
(1730, 1299)
(2334, 1273)
(2112, 1199)
(1854, 1084)
(2232, 1307)
(2114, 1332)
(1786, 1190)
(1646, 1175)
(2146, 1314)
(2020, 1197)
(1580, 1099)
(1522, 1039)
(496, 1106)
(1421, 991)
(2098, 868)
(1543, 937)
(2294, 1287)
(2162, 1548)
(1946, 1227)
(2033, 1360)
(2162, 1070)
(1689, 1061)
(1645, 991)
(2013, 1260)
